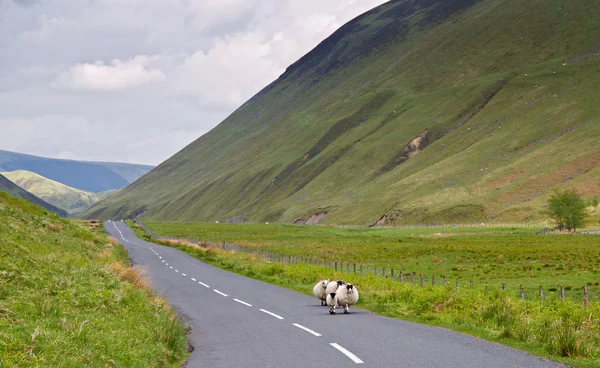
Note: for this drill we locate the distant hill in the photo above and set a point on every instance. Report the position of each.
(16, 191)
(418, 111)
(89, 176)
(69, 199)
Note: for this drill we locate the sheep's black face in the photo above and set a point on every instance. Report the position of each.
(332, 295)
(340, 283)
(350, 288)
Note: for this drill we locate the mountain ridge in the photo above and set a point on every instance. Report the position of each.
(83, 175)
(16, 191)
(333, 134)
(62, 196)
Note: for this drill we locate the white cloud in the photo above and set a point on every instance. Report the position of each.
(167, 70)
(117, 75)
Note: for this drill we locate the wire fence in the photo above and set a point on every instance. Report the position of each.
(587, 293)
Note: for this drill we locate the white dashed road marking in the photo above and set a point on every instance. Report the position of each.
(344, 351)
(220, 293)
(307, 330)
(242, 302)
(354, 358)
(271, 313)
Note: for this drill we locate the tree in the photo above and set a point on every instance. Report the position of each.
(568, 209)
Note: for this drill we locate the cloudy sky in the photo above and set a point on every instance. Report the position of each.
(137, 80)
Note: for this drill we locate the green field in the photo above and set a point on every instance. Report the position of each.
(496, 256)
(69, 298)
(560, 330)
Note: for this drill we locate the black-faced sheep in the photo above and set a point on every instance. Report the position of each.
(319, 290)
(332, 302)
(333, 286)
(347, 295)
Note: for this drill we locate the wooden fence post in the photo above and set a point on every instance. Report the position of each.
(392, 275)
(457, 286)
(375, 270)
(411, 277)
(383, 272)
(541, 293)
(503, 286)
(422, 281)
(585, 296)
(361, 273)
(336, 266)
(445, 281)
(347, 267)
(562, 293)
(433, 280)
(522, 292)
(355, 268)
(471, 284)
(401, 276)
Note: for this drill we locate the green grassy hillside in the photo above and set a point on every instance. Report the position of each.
(93, 177)
(53, 192)
(417, 111)
(68, 297)
(11, 188)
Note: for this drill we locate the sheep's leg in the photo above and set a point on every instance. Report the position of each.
(346, 309)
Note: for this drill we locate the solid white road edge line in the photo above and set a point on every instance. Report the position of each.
(271, 313)
(347, 353)
(307, 330)
(243, 302)
(218, 292)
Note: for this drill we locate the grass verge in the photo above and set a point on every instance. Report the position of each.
(69, 298)
(563, 331)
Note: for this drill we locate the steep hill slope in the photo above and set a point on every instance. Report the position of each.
(53, 192)
(89, 176)
(417, 111)
(14, 190)
(69, 298)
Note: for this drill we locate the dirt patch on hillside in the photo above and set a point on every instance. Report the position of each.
(408, 151)
(315, 219)
(470, 213)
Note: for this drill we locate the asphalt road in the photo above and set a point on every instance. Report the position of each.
(239, 322)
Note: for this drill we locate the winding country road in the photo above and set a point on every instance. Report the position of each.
(239, 322)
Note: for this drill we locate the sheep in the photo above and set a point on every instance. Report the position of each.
(319, 290)
(332, 302)
(347, 295)
(333, 286)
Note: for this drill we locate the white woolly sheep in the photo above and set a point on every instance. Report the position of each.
(333, 286)
(332, 302)
(319, 290)
(347, 295)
